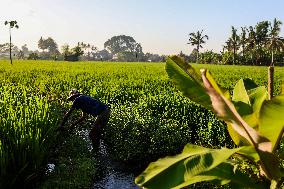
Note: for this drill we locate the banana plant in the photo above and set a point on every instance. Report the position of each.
(254, 123)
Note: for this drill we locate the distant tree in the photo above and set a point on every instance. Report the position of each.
(77, 50)
(72, 54)
(193, 55)
(102, 55)
(227, 57)
(243, 40)
(5, 50)
(41, 44)
(5, 47)
(261, 32)
(197, 39)
(234, 43)
(23, 52)
(11, 25)
(21, 55)
(251, 43)
(149, 57)
(123, 43)
(127, 57)
(210, 57)
(274, 42)
(65, 50)
(33, 56)
(88, 50)
(181, 54)
(50, 45)
(25, 49)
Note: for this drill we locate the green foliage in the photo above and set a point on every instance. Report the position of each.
(150, 118)
(227, 58)
(26, 135)
(178, 77)
(144, 132)
(74, 165)
(71, 173)
(48, 44)
(33, 56)
(194, 164)
(123, 43)
(271, 114)
(74, 53)
(197, 39)
(249, 106)
(209, 57)
(127, 56)
(259, 44)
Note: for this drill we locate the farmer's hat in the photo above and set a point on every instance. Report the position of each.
(73, 94)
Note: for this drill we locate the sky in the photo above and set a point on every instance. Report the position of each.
(161, 26)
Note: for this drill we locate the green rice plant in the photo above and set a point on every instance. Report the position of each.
(143, 100)
(27, 133)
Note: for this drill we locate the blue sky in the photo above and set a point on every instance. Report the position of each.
(161, 26)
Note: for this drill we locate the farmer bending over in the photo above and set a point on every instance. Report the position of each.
(89, 106)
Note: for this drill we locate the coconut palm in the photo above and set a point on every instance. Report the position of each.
(197, 39)
(243, 40)
(235, 42)
(274, 42)
(11, 24)
(251, 43)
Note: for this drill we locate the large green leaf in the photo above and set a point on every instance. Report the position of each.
(242, 103)
(257, 97)
(194, 164)
(226, 110)
(223, 174)
(241, 98)
(271, 121)
(248, 102)
(187, 80)
(248, 99)
(250, 153)
(191, 71)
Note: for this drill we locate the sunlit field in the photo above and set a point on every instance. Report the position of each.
(150, 118)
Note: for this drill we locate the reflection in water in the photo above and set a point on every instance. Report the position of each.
(112, 175)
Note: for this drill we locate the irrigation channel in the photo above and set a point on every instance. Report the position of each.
(111, 174)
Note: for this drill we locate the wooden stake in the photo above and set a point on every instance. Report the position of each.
(270, 81)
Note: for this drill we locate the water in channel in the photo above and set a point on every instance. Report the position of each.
(112, 174)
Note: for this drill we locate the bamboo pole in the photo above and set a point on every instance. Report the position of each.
(270, 81)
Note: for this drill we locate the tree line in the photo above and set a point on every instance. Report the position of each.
(254, 45)
(118, 48)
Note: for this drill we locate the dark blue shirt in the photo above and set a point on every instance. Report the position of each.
(89, 105)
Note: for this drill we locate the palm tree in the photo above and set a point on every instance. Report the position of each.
(251, 43)
(197, 39)
(235, 39)
(274, 42)
(243, 40)
(11, 24)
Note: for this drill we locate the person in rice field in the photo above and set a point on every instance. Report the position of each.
(89, 106)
